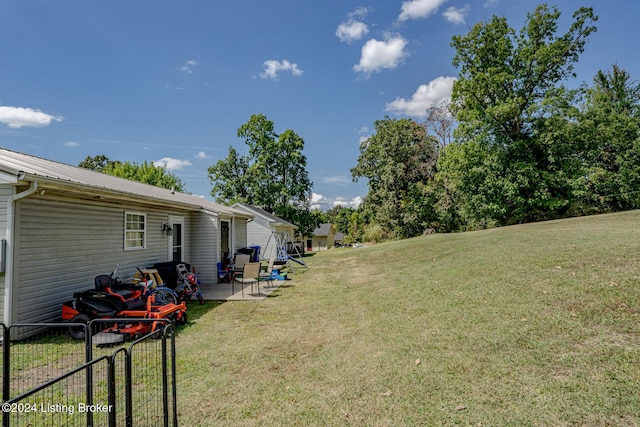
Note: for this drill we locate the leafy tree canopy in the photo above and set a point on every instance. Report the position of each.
(96, 163)
(144, 172)
(509, 100)
(609, 126)
(395, 160)
(272, 175)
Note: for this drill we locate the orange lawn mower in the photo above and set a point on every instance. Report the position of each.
(132, 307)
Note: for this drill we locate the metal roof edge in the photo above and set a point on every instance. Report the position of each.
(274, 220)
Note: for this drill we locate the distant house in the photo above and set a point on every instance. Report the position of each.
(266, 230)
(338, 239)
(322, 238)
(61, 225)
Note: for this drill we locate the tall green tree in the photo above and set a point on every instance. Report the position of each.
(339, 216)
(273, 175)
(230, 178)
(145, 172)
(395, 160)
(95, 163)
(470, 188)
(508, 93)
(610, 128)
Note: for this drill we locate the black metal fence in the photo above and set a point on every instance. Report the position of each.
(51, 379)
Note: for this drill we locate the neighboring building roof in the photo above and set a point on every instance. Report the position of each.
(339, 236)
(274, 220)
(323, 230)
(21, 166)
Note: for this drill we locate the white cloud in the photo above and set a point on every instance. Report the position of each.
(318, 202)
(363, 139)
(359, 12)
(338, 179)
(321, 203)
(70, 144)
(272, 67)
(491, 3)
(318, 198)
(188, 66)
(416, 9)
(456, 15)
(17, 117)
(346, 203)
(425, 97)
(378, 55)
(202, 155)
(172, 164)
(351, 30)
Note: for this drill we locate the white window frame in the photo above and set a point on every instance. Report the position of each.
(143, 231)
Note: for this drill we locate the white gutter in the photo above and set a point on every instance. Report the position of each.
(9, 256)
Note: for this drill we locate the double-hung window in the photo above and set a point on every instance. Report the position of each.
(135, 230)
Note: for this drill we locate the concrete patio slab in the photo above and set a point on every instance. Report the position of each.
(223, 291)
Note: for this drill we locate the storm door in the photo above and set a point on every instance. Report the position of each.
(225, 241)
(177, 239)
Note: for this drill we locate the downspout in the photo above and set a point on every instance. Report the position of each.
(9, 258)
(232, 230)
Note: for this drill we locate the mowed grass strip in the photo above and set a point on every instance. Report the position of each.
(537, 324)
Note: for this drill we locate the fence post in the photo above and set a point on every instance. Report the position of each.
(174, 386)
(165, 397)
(128, 389)
(111, 388)
(6, 372)
(88, 342)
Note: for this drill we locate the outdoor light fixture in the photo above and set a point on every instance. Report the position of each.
(166, 229)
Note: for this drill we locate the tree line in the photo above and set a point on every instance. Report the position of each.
(271, 173)
(514, 144)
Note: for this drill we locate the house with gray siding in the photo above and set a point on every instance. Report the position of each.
(61, 225)
(261, 230)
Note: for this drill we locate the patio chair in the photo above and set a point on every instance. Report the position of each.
(268, 276)
(250, 275)
(241, 260)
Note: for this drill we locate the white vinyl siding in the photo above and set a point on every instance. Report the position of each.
(259, 234)
(205, 246)
(240, 233)
(6, 191)
(62, 244)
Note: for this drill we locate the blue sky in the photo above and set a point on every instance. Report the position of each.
(171, 82)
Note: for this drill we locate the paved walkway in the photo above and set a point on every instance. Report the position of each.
(222, 291)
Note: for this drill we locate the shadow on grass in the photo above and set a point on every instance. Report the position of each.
(195, 310)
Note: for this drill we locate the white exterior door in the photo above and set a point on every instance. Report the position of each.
(176, 240)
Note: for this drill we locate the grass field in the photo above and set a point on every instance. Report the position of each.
(536, 324)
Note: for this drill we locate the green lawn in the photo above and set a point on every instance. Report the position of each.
(537, 324)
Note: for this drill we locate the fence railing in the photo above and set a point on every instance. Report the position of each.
(51, 379)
